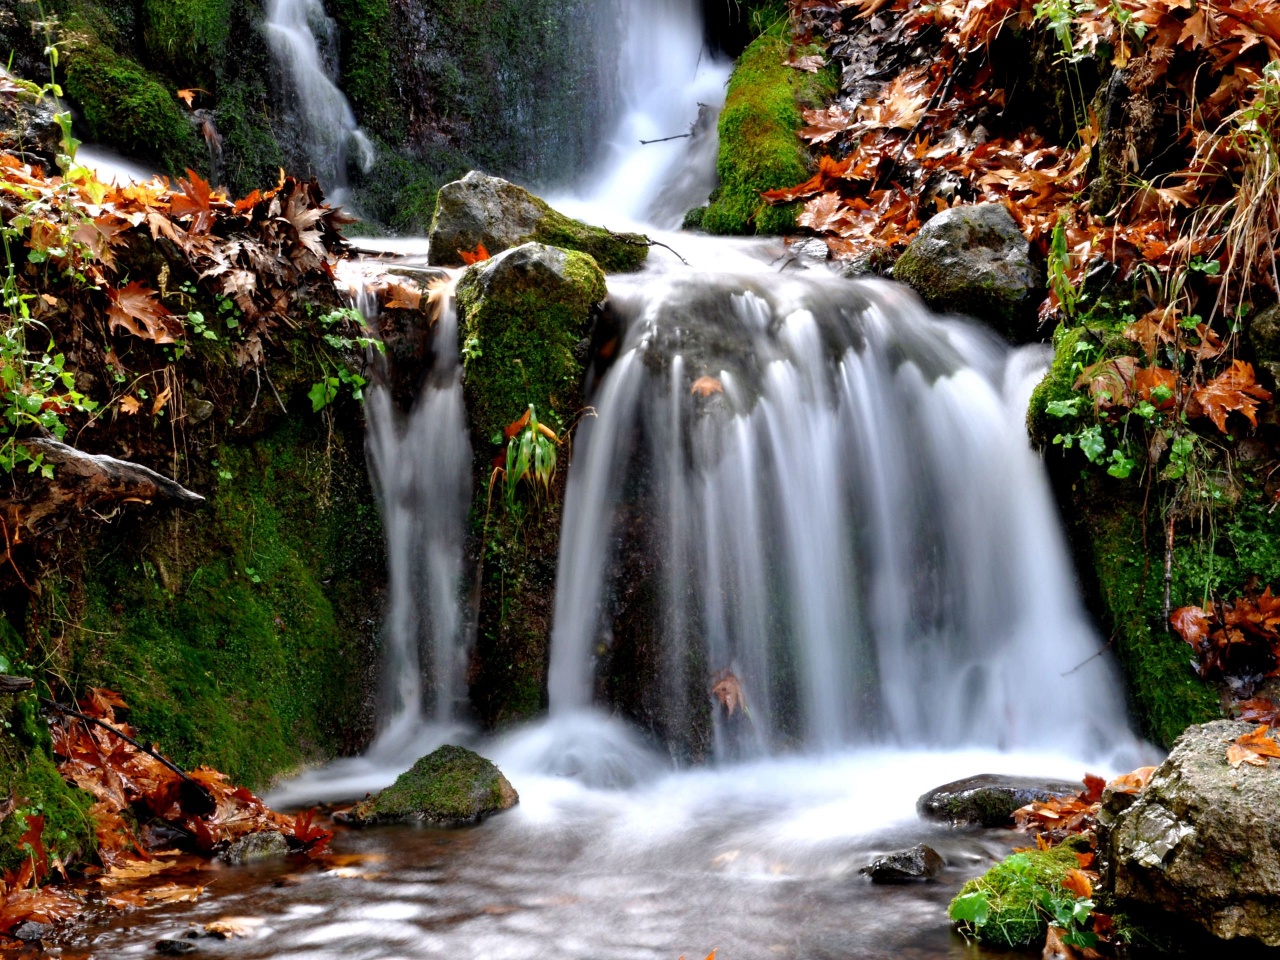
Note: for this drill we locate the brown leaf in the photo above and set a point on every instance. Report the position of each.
(1077, 882)
(728, 691)
(136, 309)
(809, 64)
(1236, 390)
(1055, 948)
(706, 386)
(1253, 748)
(479, 255)
(1191, 624)
(130, 405)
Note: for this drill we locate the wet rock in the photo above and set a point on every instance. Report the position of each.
(30, 931)
(198, 411)
(921, 862)
(268, 845)
(175, 948)
(479, 209)
(988, 800)
(975, 261)
(1264, 338)
(27, 125)
(1202, 841)
(452, 787)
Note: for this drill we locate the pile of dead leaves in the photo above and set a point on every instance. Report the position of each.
(923, 123)
(1055, 820)
(154, 823)
(1237, 640)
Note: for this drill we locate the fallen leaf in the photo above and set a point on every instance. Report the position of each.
(229, 927)
(1234, 390)
(1253, 748)
(136, 309)
(706, 386)
(1078, 883)
(479, 255)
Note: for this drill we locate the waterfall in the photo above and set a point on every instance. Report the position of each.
(850, 520)
(295, 30)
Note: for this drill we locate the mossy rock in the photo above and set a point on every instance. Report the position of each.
(523, 316)
(452, 787)
(482, 210)
(759, 144)
(989, 800)
(1012, 891)
(127, 107)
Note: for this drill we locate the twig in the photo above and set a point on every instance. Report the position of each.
(647, 242)
(678, 136)
(201, 789)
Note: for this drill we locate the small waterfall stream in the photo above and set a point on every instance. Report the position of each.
(330, 136)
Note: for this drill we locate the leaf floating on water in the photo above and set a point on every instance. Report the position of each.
(230, 927)
(706, 386)
(172, 893)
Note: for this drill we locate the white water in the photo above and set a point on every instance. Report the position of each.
(295, 29)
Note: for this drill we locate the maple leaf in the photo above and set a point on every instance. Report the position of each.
(1236, 390)
(188, 96)
(479, 255)
(42, 905)
(1077, 882)
(728, 691)
(1254, 748)
(1191, 624)
(313, 839)
(1258, 710)
(825, 213)
(136, 309)
(1149, 379)
(1110, 382)
(706, 386)
(823, 126)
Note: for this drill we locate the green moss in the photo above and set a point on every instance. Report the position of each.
(450, 787)
(614, 252)
(251, 155)
(239, 635)
(1012, 891)
(399, 192)
(186, 38)
(1058, 384)
(522, 329)
(366, 60)
(125, 106)
(29, 777)
(759, 146)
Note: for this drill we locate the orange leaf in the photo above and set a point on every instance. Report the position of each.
(1076, 882)
(706, 386)
(1233, 390)
(1191, 624)
(515, 427)
(136, 309)
(478, 256)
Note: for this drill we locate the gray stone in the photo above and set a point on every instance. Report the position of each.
(1264, 337)
(30, 931)
(175, 948)
(919, 863)
(1202, 841)
(974, 260)
(198, 411)
(482, 210)
(452, 787)
(989, 800)
(255, 847)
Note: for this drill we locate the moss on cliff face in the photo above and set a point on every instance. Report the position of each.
(129, 108)
(759, 148)
(365, 50)
(186, 37)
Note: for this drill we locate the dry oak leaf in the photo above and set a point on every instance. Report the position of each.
(706, 386)
(1237, 390)
(728, 691)
(136, 309)
(1253, 748)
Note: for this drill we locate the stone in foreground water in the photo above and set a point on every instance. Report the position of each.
(989, 799)
(921, 862)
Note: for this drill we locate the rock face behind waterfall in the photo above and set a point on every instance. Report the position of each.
(452, 787)
(480, 209)
(974, 260)
(1202, 842)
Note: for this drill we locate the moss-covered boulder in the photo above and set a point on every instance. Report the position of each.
(523, 315)
(1005, 906)
(974, 260)
(759, 146)
(480, 209)
(452, 787)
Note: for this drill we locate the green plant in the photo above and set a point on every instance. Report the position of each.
(1014, 902)
(531, 456)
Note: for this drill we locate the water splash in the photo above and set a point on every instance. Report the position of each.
(296, 30)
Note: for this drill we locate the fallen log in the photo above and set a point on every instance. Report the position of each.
(81, 481)
(10, 684)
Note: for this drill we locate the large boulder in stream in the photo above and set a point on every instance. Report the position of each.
(989, 800)
(482, 210)
(452, 787)
(1202, 841)
(974, 260)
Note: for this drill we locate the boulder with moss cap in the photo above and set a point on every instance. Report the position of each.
(482, 210)
(452, 787)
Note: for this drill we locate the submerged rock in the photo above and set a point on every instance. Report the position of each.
(452, 787)
(267, 845)
(988, 800)
(1202, 841)
(974, 260)
(480, 209)
(921, 862)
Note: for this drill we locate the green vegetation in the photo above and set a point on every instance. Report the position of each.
(239, 636)
(365, 55)
(759, 149)
(1013, 903)
(614, 252)
(186, 38)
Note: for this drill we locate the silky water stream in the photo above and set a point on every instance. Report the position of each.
(844, 515)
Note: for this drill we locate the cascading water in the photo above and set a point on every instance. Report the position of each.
(851, 521)
(295, 30)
